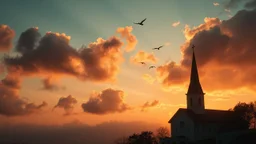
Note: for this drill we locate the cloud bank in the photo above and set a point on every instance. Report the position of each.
(224, 52)
(53, 55)
(105, 102)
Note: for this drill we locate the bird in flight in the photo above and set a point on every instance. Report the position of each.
(143, 63)
(152, 67)
(141, 23)
(158, 48)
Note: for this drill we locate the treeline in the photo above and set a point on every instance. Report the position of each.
(247, 111)
(145, 137)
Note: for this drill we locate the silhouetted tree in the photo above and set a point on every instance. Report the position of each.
(162, 132)
(247, 112)
(145, 137)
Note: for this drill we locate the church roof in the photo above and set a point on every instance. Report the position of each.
(210, 116)
(194, 86)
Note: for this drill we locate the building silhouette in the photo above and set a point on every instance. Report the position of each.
(195, 123)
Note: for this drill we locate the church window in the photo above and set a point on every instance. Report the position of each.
(191, 102)
(182, 124)
(199, 101)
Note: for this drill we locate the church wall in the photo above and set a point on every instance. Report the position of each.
(206, 130)
(182, 125)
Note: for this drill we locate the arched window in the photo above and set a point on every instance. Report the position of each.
(191, 102)
(199, 101)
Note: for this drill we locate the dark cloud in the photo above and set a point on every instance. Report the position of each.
(75, 133)
(28, 40)
(6, 37)
(51, 85)
(12, 105)
(251, 4)
(107, 101)
(147, 105)
(67, 103)
(11, 81)
(225, 54)
(53, 55)
(10, 102)
(235, 3)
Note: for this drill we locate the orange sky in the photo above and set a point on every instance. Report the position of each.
(104, 80)
(73, 70)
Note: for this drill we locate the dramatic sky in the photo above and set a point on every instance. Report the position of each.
(73, 66)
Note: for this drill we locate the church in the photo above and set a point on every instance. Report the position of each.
(195, 123)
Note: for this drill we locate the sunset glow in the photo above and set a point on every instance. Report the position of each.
(83, 62)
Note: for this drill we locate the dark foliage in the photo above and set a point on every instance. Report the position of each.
(247, 111)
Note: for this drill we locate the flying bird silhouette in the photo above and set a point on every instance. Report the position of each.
(143, 63)
(152, 67)
(158, 48)
(141, 23)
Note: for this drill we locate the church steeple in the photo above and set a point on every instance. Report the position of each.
(194, 86)
(195, 94)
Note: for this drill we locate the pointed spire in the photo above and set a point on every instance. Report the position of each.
(194, 86)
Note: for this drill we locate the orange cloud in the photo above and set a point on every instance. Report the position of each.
(105, 102)
(67, 103)
(208, 24)
(224, 52)
(130, 38)
(175, 24)
(149, 78)
(50, 84)
(172, 73)
(147, 105)
(142, 56)
(6, 37)
(10, 102)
